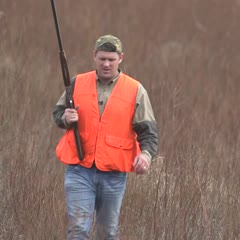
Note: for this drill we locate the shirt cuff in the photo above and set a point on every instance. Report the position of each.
(147, 155)
(64, 122)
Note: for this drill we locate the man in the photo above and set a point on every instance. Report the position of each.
(118, 134)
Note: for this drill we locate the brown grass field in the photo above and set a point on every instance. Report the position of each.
(187, 55)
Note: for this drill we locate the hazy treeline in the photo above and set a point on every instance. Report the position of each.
(186, 54)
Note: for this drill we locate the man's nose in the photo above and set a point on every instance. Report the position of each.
(106, 63)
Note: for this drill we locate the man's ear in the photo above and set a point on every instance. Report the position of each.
(121, 56)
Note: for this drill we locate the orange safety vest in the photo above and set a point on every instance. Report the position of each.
(109, 140)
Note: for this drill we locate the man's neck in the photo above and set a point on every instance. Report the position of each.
(107, 81)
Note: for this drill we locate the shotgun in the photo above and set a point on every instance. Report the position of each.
(67, 82)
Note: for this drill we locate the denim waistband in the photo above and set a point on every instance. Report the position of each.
(94, 167)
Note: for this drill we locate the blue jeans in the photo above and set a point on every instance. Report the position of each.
(87, 190)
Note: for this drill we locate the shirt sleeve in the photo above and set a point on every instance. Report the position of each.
(59, 110)
(144, 124)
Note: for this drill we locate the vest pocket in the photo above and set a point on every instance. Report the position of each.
(119, 142)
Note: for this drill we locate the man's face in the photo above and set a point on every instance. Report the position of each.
(107, 64)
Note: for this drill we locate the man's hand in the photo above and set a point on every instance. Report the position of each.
(141, 164)
(70, 115)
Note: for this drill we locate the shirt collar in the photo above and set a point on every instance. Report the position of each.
(115, 79)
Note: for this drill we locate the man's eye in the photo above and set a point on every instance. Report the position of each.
(105, 59)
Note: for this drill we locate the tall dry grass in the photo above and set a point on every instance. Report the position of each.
(186, 54)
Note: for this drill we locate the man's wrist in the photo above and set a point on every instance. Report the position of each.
(65, 122)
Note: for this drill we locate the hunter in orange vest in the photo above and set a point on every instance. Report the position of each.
(118, 134)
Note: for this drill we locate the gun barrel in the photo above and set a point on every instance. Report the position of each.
(56, 25)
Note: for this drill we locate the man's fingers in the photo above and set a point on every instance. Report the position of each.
(70, 115)
(70, 110)
(135, 161)
(141, 164)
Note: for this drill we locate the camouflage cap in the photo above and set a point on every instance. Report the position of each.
(109, 39)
